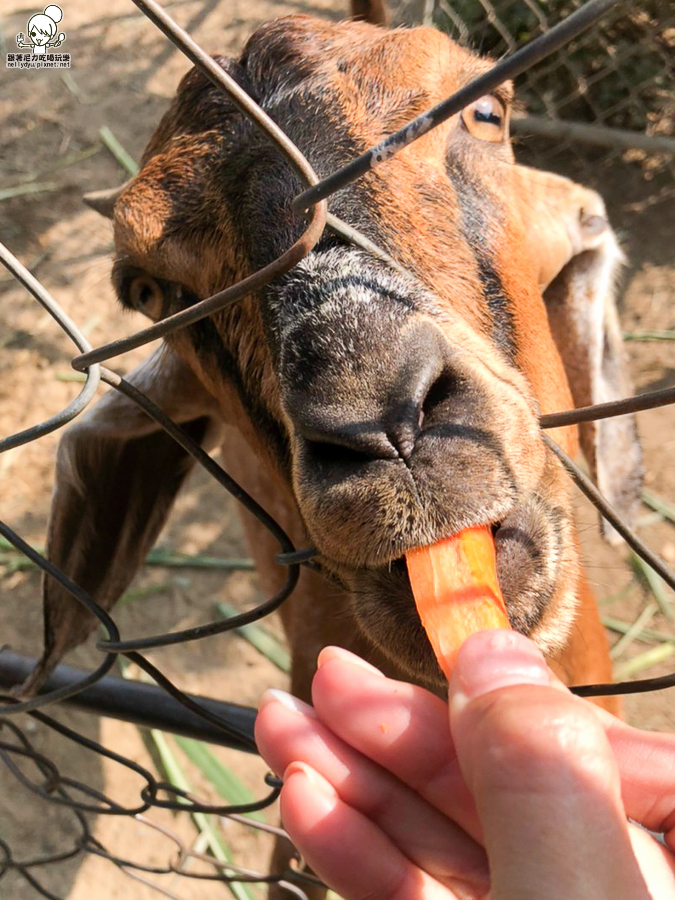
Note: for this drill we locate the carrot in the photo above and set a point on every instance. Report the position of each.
(456, 591)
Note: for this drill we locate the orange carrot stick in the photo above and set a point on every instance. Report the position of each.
(456, 591)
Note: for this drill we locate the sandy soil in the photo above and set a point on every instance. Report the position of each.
(123, 73)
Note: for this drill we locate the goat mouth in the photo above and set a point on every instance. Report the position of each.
(399, 567)
(396, 569)
(531, 551)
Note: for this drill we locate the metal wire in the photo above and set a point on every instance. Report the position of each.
(604, 101)
(509, 67)
(87, 393)
(189, 714)
(648, 400)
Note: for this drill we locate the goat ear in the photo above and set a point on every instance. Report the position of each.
(117, 474)
(103, 202)
(577, 259)
(560, 219)
(584, 321)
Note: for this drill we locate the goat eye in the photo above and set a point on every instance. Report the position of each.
(485, 119)
(146, 296)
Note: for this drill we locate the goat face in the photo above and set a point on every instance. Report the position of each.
(397, 408)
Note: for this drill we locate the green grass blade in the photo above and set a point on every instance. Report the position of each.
(634, 630)
(659, 505)
(170, 764)
(649, 519)
(13, 560)
(228, 785)
(67, 377)
(617, 595)
(122, 156)
(649, 336)
(31, 187)
(204, 822)
(262, 640)
(656, 585)
(140, 593)
(17, 562)
(169, 558)
(646, 634)
(645, 660)
(10, 548)
(72, 86)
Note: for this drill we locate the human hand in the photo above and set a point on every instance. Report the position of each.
(522, 791)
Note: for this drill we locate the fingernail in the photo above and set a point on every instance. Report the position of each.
(496, 659)
(316, 780)
(343, 655)
(272, 695)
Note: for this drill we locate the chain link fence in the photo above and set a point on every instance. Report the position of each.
(162, 704)
(606, 100)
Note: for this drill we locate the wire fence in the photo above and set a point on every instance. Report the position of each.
(162, 704)
(607, 99)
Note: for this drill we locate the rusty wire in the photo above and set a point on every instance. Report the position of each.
(16, 748)
(606, 99)
(529, 55)
(87, 393)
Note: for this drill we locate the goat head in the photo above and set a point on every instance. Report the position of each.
(381, 410)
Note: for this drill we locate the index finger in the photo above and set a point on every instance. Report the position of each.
(400, 726)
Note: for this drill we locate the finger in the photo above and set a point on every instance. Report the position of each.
(646, 762)
(400, 726)
(543, 776)
(288, 731)
(346, 849)
(657, 863)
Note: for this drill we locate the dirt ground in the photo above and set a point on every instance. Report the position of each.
(122, 76)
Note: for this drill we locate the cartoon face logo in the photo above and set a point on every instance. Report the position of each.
(42, 30)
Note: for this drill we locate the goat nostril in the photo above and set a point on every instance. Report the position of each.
(338, 455)
(445, 388)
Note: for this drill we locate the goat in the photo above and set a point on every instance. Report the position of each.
(368, 410)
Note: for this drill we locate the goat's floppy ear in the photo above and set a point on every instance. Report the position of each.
(117, 474)
(580, 299)
(560, 219)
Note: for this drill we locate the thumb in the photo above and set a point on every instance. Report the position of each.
(543, 776)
